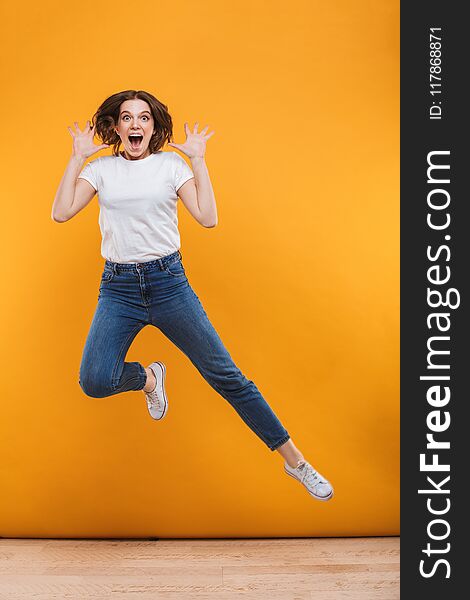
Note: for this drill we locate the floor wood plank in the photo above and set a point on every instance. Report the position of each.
(216, 569)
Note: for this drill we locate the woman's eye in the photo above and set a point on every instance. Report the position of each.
(127, 117)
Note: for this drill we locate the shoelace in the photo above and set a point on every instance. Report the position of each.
(153, 398)
(311, 476)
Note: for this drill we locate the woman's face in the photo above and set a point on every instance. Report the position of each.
(135, 128)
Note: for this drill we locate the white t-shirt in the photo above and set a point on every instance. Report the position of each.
(137, 198)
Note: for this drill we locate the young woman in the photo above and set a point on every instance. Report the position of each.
(144, 281)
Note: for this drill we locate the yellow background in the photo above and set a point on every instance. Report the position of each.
(300, 278)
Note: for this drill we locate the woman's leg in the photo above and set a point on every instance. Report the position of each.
(103, 371)
(151, 380)
(290, 453)
(184, 321)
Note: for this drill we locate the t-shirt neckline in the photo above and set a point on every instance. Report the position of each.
(140, 160)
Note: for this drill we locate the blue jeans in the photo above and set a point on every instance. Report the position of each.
(158, 293)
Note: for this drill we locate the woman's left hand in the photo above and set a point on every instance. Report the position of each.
(195, 144)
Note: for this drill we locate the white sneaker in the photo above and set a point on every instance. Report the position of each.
(316, 485)
(157, 402)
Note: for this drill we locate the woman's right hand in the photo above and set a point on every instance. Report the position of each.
(83, 145)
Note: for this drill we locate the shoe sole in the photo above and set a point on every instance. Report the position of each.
(322, 498)
(165, 399)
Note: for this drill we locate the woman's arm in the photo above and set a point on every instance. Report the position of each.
(198, 196)
(72, 196)
(64, 197)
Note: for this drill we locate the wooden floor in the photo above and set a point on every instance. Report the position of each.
(221, 569)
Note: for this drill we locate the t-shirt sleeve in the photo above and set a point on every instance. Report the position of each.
(90, 173)
(182, 171)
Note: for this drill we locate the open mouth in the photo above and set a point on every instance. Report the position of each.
(135, 141)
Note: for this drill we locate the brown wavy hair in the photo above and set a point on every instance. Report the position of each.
(107, 117)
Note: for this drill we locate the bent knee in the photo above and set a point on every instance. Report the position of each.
(95, 387)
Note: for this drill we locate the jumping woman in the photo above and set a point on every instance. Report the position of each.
(144, 281)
